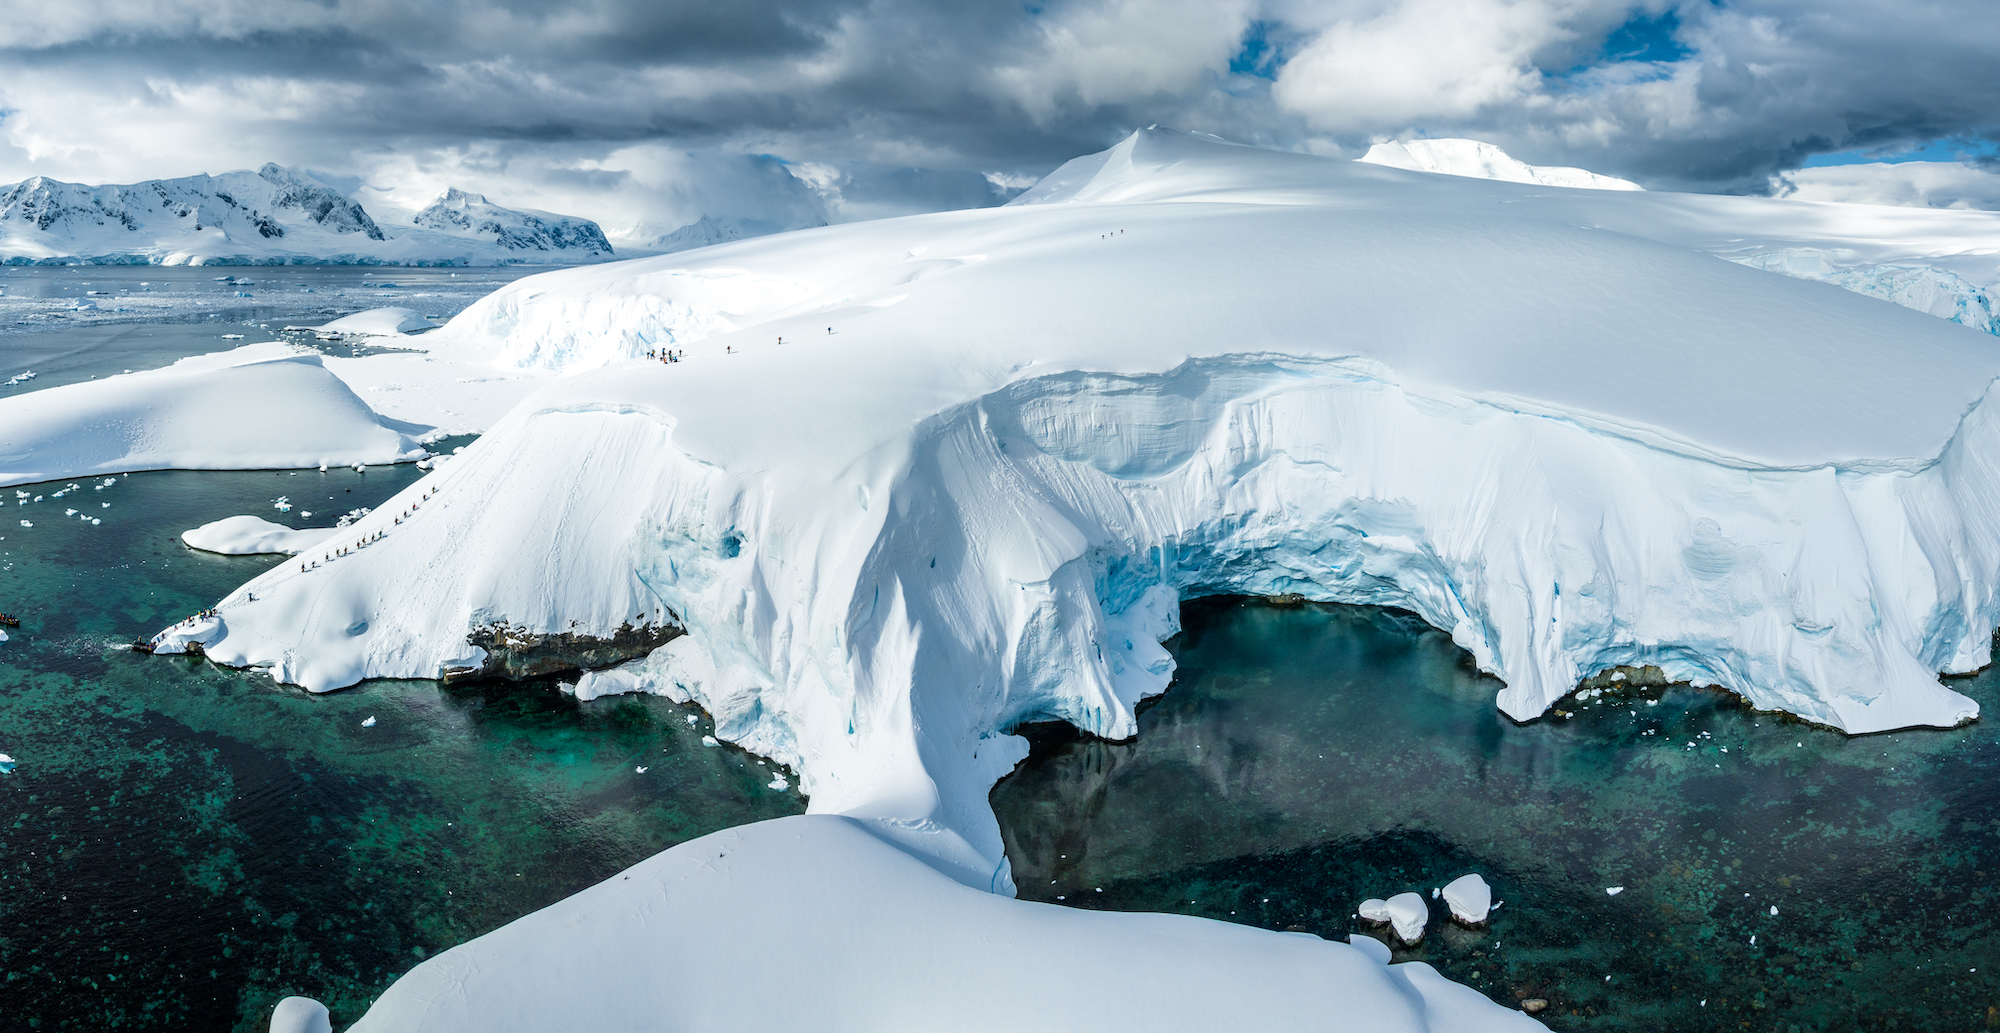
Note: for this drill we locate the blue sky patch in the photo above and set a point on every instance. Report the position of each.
(1644, 39)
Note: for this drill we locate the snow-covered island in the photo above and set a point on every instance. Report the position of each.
(274, 216)
(917, 481)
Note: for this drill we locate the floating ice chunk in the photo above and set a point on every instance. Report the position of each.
(1469, 898)
(300, 1015)
(249, 535)
(69, 512)
(6, 764)
(1370, 946)
(639, 768)
(1774, 911)
(1612, 891)
(1408, 914)
(370, 722)
(709, 740)
(692, 719)
(27, 523)
(779, 782)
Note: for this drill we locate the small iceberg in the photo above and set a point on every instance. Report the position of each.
(370, 722)
(1612, 891)
(250, 536)
(1406, 913)
(1469, 898)
(6, 764)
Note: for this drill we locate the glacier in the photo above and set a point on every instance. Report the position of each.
(921, 480)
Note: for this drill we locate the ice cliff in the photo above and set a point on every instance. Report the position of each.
(922, 479)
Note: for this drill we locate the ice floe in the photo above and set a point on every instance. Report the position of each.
(250, 535)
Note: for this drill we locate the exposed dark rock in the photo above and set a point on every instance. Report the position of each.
(515, 652)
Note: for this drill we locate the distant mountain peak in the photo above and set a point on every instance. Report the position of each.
(1480, 160)
(462, 212)
(273, 215)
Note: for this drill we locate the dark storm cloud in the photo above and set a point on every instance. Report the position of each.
(1677, 94)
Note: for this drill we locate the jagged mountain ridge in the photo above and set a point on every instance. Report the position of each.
(519, 229)
(274, 215)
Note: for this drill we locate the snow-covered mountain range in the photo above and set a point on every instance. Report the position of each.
(276, 216)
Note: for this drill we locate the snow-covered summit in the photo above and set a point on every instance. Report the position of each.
(515, 229)
(1485, 161)
(275, 215)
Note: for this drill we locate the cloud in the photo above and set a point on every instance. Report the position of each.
(576, 103)
(1919, 184)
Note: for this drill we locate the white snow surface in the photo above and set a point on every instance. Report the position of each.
(1485, 161)
(1548, 421)
(300, 1015)
(392, 321)
(980, 499)
(259, 406)
(869, 937)
(252, 535)
(1469, 898)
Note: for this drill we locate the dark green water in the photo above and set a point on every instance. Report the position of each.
(181, 845)
(1309, 758)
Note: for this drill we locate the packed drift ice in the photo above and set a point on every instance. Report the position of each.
(920, 480)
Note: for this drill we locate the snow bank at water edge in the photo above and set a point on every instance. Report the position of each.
(979, 500)
(262, 406)
(871, 937)
(952, 473)
(251, 535)
(375, 322)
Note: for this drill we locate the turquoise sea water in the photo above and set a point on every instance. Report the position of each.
(1309, 758)
(181, 844)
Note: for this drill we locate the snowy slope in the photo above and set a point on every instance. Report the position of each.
(1485, 161)
(863, 936)
(264, 406)
(1184, 368)
(922, 479)
(274, 215)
